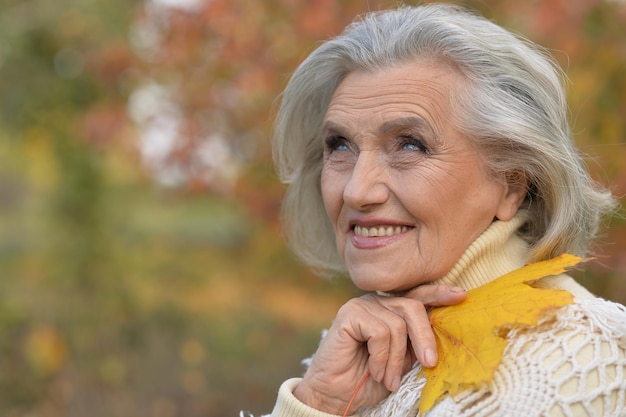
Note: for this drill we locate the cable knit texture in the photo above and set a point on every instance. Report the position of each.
(571, 364)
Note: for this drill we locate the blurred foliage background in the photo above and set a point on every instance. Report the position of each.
(143, 267)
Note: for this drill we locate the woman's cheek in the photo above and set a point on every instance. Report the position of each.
(332, 193)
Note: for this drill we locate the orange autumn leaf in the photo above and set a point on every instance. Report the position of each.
(471, 336)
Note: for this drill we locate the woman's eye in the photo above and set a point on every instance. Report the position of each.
(413, 144)
(336, 143)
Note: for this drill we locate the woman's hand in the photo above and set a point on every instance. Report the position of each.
(380, 335)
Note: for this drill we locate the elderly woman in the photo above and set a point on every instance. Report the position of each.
(427, 152)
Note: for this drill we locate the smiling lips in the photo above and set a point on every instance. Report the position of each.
(379, 231)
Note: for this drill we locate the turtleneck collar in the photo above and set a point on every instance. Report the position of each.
(496, 252)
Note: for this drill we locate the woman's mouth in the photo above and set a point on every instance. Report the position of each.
(379, 231)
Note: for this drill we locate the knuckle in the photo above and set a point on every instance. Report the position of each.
(397, 326)
(351, 307)
(379, 331)
(404, 307)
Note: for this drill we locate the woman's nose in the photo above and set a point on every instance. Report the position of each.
(367, 185)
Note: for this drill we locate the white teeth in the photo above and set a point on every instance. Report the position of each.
(379, 231)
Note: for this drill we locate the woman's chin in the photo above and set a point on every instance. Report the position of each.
(379, 285)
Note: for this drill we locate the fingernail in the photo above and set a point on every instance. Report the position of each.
(457, 290)
(430, 358)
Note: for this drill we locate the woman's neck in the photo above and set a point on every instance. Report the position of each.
(497, 251)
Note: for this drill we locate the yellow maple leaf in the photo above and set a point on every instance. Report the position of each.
(471, 336)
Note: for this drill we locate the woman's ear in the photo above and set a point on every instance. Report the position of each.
(517, 185)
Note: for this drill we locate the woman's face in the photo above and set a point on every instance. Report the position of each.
(405, 191)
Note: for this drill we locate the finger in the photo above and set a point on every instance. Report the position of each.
(366, 330)
(397, 352)
(386, 334)
(437, 295)
(375, 333)
(387, 348)
(421, 335)
(419, 329)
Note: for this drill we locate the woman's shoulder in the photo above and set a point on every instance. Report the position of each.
(567, 283)
(588, 313)
(589, 323)
(576, 358)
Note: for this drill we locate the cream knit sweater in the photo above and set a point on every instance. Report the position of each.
(573, 364)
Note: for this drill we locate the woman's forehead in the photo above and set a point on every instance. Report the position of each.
(417, 92)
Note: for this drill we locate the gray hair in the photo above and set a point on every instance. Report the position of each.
(513, 106)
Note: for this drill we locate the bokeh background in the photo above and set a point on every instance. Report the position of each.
(142, 266)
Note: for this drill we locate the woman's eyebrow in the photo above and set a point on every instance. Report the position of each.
(412, 122)
(331, 127)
